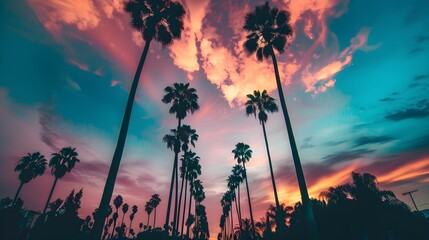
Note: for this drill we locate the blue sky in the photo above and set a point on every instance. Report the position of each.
(356, 78)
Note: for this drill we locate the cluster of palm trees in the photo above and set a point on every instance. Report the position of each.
(111, 227)
(184, 100)
(34, 164)
(268, 31)
(258, 104)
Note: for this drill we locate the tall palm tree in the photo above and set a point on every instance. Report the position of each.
(269, 29)
(61, 163)
(237, 174)
(125, 208)
(193, 170)
(199, 196)
(29, 167)
(148, 207)
(187, 158)
(134, 210)
(161, 21)
(183, 100)
(243, 153)
(259, 104)
(117, 202)
(155, 200)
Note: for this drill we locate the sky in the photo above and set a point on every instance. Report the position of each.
(355, 76)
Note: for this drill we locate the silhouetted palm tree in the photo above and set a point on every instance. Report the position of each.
(155, 200)
(237, 174)
(29, 167)
(124, 211)
(148, 207)
(133, 213)
(259, 104)
(117, 202)
(269, 29)
(161, 21)
(61, 163)
(199, 196)
(183, 100)
(243, 153)
(190, 169)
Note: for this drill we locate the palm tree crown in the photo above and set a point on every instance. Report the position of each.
(242, 152)
(31, 166)
(155, 200)
(156, 19)
(260, 103)
(63, 161)
(183, 99)
(268, 28)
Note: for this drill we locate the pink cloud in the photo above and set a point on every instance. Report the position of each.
(114, 83)
(53, 13)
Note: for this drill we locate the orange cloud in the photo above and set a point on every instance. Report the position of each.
(53, 13)
(409, 171)
(184, 51)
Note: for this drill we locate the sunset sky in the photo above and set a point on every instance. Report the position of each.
(356, 79)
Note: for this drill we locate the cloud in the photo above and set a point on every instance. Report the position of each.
(416, 50)
(307, 143)
(413, 112)
(334, 143)
(347, 155)
(372, 140)
(387, 99)
(72, 84)
(422, 38)
(421, 77)
(53, 14)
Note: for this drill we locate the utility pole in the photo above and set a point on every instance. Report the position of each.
(411, 196)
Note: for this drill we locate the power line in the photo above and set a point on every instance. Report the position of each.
(411, 196)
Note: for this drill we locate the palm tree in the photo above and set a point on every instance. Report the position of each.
(190, 169)
(155, 200)
(29, 167)
(269, 28)
(133, 213)
(260, 104)
(237, 175)
(199, 196)
(178, 140)
(117, 202)
(161, 21)
(61, 163)
(148, 207)
(192, 172)
(124, 211)
(183, 100)
(197, 191)
(243, 153)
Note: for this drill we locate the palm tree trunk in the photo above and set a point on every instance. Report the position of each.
(114, 225)
(276, 197)
(117, 156)
(180, 198)
(239, 201)
(232, 222)
(190, 205)
(154, 218)
(170, 195)
(147, 223)
(238, 213)
(184, 205)
(131, 224)
(50, 195)
(176, 159)
(312, 230)
(122, 223)
(17, 193)
(248, 199)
